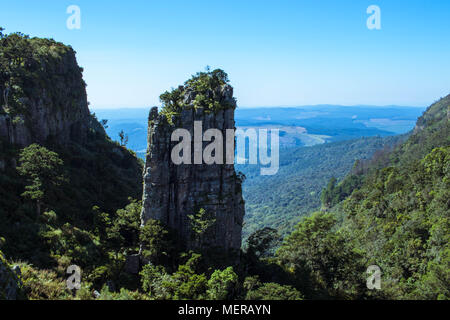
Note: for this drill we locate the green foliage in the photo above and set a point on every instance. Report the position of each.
(200, 224)
(43, 170)
(43, 284)
(185, 283)
(335, 193)
(392, 210)
(432, 131)
(204, 88)
(156, 282)
(315, 249)
(27, 64)
(123, 294)
(98, 178)
(159, 244)
(123, 138)
(11, 286)
(330, 196)
(281, 201)
(400, 218)
(100, 173)
(222, 284)
(396, 217)
(101, 223)
(125, 228)
(188, 284)
(261, 243)
(274, 291)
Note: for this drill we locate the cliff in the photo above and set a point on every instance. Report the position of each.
(43, 101)
(173, 192)
(42, 93)
(432, 131)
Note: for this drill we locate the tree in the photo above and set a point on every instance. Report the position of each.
(123, 138)
(185, 283)
(221, 285)
(274, 291)
(327, 256)
(329, 193)
(43, 170)
(104, 123)
(189, 284)
(200, 225)
(262, 242)
(102, 222)
(156, 282)
(125, 228)
(16, 61)
(158, 243)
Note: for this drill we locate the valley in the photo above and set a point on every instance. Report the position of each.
(316, 144)
(354, 189)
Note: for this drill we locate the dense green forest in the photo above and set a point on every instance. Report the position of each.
(397, 217)
(280, 201)
(79, 203)
(52, 195)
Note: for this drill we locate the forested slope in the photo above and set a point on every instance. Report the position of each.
(59, 171)
(280, 201)
(397, 217)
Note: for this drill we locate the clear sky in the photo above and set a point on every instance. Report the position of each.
(277, 53)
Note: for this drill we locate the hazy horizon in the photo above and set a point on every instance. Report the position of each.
(275, 107)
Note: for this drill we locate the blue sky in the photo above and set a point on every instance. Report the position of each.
(277, 53)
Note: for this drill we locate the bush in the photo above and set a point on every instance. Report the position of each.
(222, 284)
(274, 291)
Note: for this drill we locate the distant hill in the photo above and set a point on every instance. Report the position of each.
(337, 121)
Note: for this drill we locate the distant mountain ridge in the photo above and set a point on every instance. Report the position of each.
(336, 122)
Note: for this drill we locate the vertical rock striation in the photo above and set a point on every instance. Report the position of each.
(43, 98)
(173, 192)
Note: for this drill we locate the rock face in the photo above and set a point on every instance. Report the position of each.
(48, 98)
(9, 282)
(42, 123)
(173, 192)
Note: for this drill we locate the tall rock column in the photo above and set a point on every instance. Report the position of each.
(174, 192)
